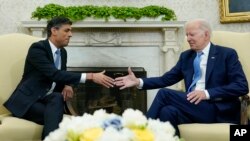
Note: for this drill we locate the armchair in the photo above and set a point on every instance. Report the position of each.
(220, 131)
(13, 51)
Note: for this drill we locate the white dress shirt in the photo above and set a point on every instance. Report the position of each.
(200, 85)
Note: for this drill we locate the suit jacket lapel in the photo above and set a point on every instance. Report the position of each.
(211, 60)
(48, 48)
(190, 61)
(63, 59)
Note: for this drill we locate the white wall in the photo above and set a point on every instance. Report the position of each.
(14, 11)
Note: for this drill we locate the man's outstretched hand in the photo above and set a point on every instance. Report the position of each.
(127, 81)
(102, 79)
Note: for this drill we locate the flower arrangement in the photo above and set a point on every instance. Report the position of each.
(101, 126)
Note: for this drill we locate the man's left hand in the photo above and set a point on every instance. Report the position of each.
(67, 92)
(196, 96)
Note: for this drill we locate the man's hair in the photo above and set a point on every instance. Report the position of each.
(203, 25)
(57, 22)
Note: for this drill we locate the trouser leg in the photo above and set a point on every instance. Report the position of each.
(48, 112)
(53, 113)
(173, 106)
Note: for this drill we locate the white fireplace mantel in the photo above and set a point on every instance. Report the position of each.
(112, 24)
(166, 35)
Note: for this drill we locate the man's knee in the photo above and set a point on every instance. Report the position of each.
(165, 93)
(162, 93)
(168, 112)
(58, 98)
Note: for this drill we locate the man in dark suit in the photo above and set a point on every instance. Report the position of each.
(213, 84)
(45, 84)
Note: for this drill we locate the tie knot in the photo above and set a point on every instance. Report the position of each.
(57, 51)
(199, 54)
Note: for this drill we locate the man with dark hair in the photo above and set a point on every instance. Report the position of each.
(45, 84)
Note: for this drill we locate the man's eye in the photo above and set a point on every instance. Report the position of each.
(192, 35)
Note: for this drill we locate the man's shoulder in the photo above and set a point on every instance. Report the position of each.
(39, 46)
(40, 43)
(187, 52)
(222, 48)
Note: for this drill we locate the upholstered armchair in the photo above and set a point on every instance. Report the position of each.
(220, 131)
(13, 51)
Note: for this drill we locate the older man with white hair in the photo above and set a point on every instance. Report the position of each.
(213, 77)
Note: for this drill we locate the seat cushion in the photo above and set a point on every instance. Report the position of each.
(16, 129)
(205, 132)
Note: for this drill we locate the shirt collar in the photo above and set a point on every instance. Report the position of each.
(206, 49)
(53, 47)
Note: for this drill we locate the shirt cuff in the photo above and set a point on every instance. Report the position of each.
(83, 78)
(207, 94)
(140, 84)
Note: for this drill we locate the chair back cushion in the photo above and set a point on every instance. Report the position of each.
(14, 48)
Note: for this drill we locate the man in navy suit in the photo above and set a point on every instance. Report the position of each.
(45, 84)
(214, 97)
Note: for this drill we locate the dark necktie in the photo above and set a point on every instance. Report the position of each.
(57, 58)
(197, 71)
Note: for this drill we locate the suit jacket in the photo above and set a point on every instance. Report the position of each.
(225, 80)
(39, 74)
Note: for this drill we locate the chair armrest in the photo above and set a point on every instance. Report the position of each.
(3, 116)
(245, 101)
(3, 110)
(3, 113)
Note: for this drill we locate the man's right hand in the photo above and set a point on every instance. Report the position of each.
(102, 79)
(127, 81)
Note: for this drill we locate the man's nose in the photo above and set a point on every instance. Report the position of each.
(70, 34)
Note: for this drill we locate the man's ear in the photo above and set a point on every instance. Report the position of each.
(54, 31)
(207, 35)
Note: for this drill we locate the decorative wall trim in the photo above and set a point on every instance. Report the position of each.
(113, 24)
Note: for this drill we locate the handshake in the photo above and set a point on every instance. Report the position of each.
(123, 82)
